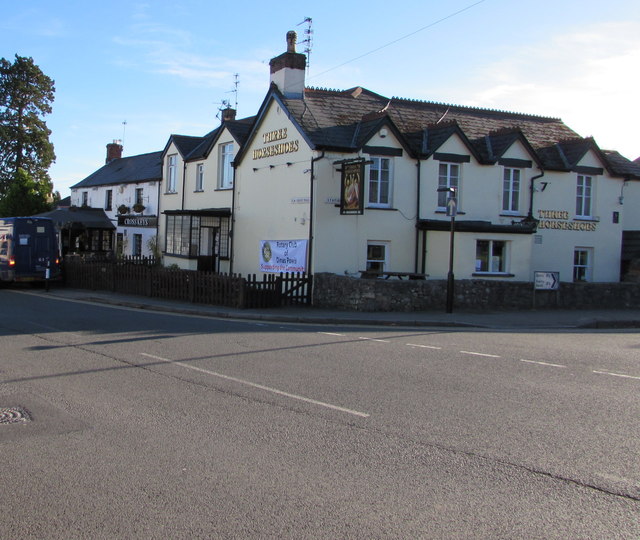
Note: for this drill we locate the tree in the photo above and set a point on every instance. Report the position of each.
(26, 95)
(24, 197)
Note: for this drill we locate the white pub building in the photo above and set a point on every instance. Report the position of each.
(353, 182)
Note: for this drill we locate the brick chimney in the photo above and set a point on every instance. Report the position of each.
(114, 151)
(228, 114)
(287, 70)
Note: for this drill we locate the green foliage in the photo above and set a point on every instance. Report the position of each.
(26, 95)
(25, 197)
(154, 248)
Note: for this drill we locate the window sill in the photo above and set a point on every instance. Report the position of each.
(380, 208)
(493, 274)
(198, 190)
(586, 218)
(224, 188)
(459, 213)
(170, 192)
(512, 214)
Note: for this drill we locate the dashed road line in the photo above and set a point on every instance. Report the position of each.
(549, 364)
(487, 355)
(616, 374)
(481, 354)
(259, 386)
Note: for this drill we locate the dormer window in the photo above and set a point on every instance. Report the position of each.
(225, 177)
(584, 194)
(200, 177)
(448, 177)
(511, 190)
(380, 182)
(171, 173)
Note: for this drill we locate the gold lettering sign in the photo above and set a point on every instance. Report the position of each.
(558, 220)
(276, 149)
(276, 135)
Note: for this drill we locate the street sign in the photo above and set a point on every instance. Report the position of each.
(546, 281)
(452, 207)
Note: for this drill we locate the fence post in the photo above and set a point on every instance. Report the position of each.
(190, 287)
(149, 275)
(242, 293)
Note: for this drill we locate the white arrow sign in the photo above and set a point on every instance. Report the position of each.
(546, 281)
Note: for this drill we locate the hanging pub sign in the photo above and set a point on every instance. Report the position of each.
(283, 256)
(352, 188)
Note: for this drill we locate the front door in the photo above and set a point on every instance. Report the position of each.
(207, 252)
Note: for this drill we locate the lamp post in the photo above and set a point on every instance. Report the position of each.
(452, 210)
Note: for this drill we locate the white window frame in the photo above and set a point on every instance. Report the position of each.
(200, 177)
(584, 196)
(172, 169)
(372, 262)
(108, 199)
(511, 182)
(225, 174)
(447, 181)
(502, 266)
(583, 269)
(375, 185)
(139, 196)
(85, 198)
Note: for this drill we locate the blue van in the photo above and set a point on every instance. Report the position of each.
(28, 249)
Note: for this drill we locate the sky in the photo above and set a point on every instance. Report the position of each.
(140, 71)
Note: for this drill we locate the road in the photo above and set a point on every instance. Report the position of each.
(156, 425)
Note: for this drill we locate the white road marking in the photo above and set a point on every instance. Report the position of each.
(542, 363)
(423, 346)
(372, 339)
(259, 386)
(331, 334)
(481, 354)
(616, 374)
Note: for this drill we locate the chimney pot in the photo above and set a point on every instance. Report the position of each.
(292, 37)
(114, 151)
(228, 114)
(288, 69)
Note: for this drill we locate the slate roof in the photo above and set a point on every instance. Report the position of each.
(90, 218)
(141, 168)
(239, 129)
(621, 166)
(185, 143)
(339, 119)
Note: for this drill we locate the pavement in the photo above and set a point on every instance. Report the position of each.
(526, 319)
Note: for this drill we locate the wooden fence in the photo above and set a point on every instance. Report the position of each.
(149, 279)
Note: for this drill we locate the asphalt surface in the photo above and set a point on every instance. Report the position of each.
(150, 425)
(533, 319)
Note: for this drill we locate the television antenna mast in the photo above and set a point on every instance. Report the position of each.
(308, 40)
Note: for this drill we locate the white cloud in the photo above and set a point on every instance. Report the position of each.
(588, 78)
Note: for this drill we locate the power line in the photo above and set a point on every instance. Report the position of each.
(400, 38)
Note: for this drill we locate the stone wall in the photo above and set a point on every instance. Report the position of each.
(354, 294)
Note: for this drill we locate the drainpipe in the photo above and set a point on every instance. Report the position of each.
(531, 192)
(164, 242)
(417, 254)
(233, 219)
(311, 215)
(184, 180)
